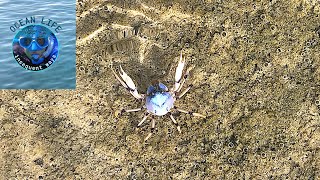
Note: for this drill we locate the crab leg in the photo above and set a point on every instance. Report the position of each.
(127, 82)
(132, 110)
(153, 124)
(175, 122)
(149, 135)
(190, 112)
(143, 119)
(185, 91)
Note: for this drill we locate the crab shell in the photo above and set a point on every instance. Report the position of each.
(159, 101)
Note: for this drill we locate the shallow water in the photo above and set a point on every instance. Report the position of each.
(61, 74)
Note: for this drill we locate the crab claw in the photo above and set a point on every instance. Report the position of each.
(178, 75)
(127, 82)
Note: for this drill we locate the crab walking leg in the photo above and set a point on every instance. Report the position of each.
(190, 112)
(128, 110)
(127, 82)
(143, 119)
(153, 124)
(175, 122)
(185, 91)
(131, 110)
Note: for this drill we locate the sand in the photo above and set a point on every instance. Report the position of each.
(256, 77)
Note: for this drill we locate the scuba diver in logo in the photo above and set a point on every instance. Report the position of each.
(38, 44)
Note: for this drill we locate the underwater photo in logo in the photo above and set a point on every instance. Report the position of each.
(35, 47)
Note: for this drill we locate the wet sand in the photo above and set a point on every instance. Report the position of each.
(256, 77)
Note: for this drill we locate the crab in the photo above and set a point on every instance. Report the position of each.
(159, 100)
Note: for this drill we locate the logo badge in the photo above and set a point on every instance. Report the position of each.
(35, 47)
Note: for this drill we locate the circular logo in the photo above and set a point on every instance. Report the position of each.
(35, 47)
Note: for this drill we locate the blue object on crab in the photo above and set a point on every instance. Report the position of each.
(159, 100)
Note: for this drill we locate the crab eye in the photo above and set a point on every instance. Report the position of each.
(163, 87)
(150, 90)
